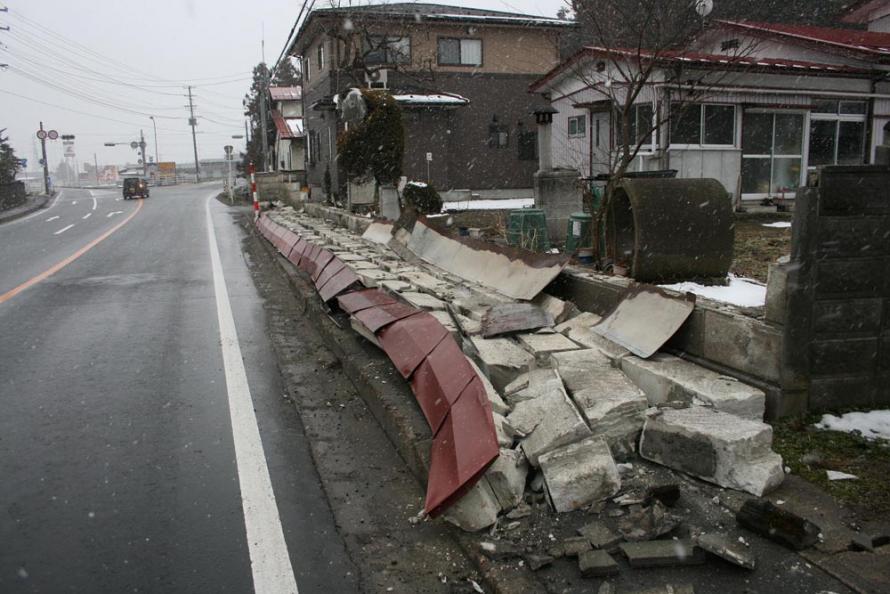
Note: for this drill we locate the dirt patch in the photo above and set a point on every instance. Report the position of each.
(756, 246)
(811, 452)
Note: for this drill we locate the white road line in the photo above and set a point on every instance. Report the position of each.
(62, 230)
(53, 218)
(94, 200)
(269, 559)
(73, 202)
(38, 213)
(111, 214)
(86, 216)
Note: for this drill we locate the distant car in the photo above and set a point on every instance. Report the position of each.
(135, 187)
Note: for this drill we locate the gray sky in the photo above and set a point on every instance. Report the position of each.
(119, 61)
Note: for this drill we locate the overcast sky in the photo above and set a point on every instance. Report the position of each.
(99, 69)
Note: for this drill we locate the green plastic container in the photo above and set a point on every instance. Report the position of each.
(527, 229)
(578, 233)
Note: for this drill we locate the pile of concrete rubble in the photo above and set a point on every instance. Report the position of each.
(573, 410)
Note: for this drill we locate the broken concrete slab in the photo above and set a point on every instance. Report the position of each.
(501, 359)
(506, 476)
(534, 378)
(423, 281)
(570, 547)
(579, 474)
(662, 553)
(476, 510)
(379, 233)
(599, 535)
(580, 368)
(645, 319)
(396, 286)
(505, 432)
(666, 378)
(718, 447)
(423, 301)
(371, 277)
(497, 403)
(536, 562)
(647, 523)
(510, 318)
(560, 310)
(550, 421)
(597, 564)
(614, 412)
(580, 329)
(543, 345)
(729, 550)
(775, 523)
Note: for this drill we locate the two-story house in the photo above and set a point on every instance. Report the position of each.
(794, 98)
(290, 138)
(460, 75)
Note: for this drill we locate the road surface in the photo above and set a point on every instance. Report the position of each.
(143, 436)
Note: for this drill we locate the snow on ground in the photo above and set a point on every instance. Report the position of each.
(509, 204)
(874, 424)
(778, 225)
(743, 292)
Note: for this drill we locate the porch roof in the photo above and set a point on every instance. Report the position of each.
(288, 127)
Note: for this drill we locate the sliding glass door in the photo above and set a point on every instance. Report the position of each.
(772, 153)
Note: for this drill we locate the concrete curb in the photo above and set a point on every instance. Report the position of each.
(391, 402)
(39, 203)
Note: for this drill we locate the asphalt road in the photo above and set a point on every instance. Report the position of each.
(121, 350)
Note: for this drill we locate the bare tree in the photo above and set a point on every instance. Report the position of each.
(635, 47)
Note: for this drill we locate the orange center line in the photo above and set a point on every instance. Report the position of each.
(62, 264)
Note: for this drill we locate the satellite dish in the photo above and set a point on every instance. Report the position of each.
(704, 7)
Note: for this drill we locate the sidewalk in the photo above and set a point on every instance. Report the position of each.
(515, 545)
(32, 204)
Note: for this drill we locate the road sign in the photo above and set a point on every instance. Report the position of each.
(41, 134)
(228, 148)
(23, 163)
(139, 161)
(109, 144)
(134, 145)
(429, 156)
(52, 134)
(67, 136)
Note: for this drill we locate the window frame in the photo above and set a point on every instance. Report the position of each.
(460, 63)
(837, 118)
(319, 57)
(387, 52)
(582, 119)
(702, 127)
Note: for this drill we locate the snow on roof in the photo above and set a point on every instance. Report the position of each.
(431, 99)
(871, 42)
(286, 93)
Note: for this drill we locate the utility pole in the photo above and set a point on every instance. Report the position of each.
(42, 136)
(155, 126)
(194, 122)
(264, 90)
(142, 149)
(96, 165)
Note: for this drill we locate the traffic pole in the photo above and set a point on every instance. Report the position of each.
(256, 198)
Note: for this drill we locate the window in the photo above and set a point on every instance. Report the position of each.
(837, 133)
(577, 126)
(314, 156)
(382, 49)
(703, 124)
(528, 146)
(319, 57)
(460, 52)
(307, 67)
(730, 44)
(498, 134)
(640, 126)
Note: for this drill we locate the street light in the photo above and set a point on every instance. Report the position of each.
(155, 126)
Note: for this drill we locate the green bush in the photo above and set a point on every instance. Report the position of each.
(422, 197)
(374, 148)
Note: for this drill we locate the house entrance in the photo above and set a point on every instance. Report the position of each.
(772, 153)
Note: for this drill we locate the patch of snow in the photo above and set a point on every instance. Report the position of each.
(416, 184)
(743, 292)
(508, 204)
(778, 225)
(874, 424)
(431, 99)
(835, 475)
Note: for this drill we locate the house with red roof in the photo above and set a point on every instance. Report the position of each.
(290, 137)
(755, 105)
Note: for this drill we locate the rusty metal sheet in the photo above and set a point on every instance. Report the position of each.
(340, 282)
(307, 263)
(333, 267)
(321, 260)
(505, 318)
(407, 342)
(645, 319)
(359, 300)
(297, 252)
(286, 241)
(375, 318)
(439, 380)
(462, 450)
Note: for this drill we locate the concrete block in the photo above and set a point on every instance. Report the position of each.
(396, 286)
(599, 535)
(505, 432)
(665, 378)
(579, 474)
(476, 510)
(776, 292)
(597, 564)
(423, 301)
(549, 420)
(542, 345)
(423, 281)
(501, 359)
(529, 386)
(728, 550)
(718, 447)
(743, 343)
(579, 330)
(506, 476)
(371, 277)
(497, 403)
(580, 368)
(559, 309)
(662, 553)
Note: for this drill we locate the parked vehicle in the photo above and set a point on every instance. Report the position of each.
(135, 187)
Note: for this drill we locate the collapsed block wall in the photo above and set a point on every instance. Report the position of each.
(837, 333)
